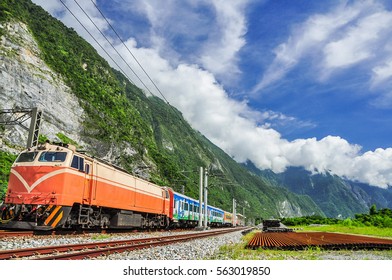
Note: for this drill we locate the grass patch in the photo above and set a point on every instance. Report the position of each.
(373, 231)
(100, 236)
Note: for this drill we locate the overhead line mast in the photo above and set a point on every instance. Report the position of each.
(19, 116)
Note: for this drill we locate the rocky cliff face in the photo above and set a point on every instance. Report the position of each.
(27, 82)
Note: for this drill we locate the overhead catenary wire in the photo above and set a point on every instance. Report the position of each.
(137, 61)
(173, 109)
(140, 65)
(110, 43)
(96, 40)
(130, 52)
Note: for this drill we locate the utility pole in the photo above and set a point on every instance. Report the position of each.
(201, 197)
(205, 199)
(234, 212)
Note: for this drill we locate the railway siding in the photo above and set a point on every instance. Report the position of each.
(325, 240)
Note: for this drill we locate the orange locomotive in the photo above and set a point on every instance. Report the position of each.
(55, 186)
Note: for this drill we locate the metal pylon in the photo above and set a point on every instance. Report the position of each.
(19, 116)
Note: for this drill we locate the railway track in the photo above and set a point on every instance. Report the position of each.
(13, 233)
(9, 233)
(325, 240)
(96, 249)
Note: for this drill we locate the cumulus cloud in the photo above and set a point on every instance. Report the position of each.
(354, 33)
(211, 39)
(305, 39)
(219, 54)
(359, 42)
(241, 131)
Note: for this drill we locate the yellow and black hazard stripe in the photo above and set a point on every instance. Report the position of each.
(57, 215)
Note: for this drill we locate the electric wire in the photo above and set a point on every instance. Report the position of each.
(176, 112)
(122, 58)
(137, 61)
(96, 40)
(130, 52)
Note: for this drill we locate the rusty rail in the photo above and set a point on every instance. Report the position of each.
(325, 240)
(9, 233)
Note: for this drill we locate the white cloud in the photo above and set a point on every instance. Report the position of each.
(211, 41)
(236, 128)
(382, 72)
(354, 33)
(52, 7)
(219, 54)
(305, 40)
(359, 42)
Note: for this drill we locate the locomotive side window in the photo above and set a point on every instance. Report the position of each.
(52, 157)
(87, 168)
(27, 157)
(78, 163)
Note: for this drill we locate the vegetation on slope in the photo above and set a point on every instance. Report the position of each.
(6, 160)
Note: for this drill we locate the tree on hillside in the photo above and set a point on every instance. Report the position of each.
(373, 210)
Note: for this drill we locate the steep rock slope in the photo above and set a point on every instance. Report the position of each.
(26, 81)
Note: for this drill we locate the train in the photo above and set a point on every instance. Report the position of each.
(52, 186)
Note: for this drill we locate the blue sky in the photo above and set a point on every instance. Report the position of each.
(279, 82)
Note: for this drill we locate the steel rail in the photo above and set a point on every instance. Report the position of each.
(119, 249)
(6, 233)
(108, 245)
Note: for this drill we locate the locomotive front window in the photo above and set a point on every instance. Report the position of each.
(52, 157)
(27, 157)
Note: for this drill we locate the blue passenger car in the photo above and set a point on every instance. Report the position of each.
(186, 212)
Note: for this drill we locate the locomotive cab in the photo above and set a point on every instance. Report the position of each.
(36, 184)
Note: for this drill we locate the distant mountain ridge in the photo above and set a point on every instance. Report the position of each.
(337, 197)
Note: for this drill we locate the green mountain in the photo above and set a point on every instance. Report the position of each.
(337, 197)
(119, 122)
